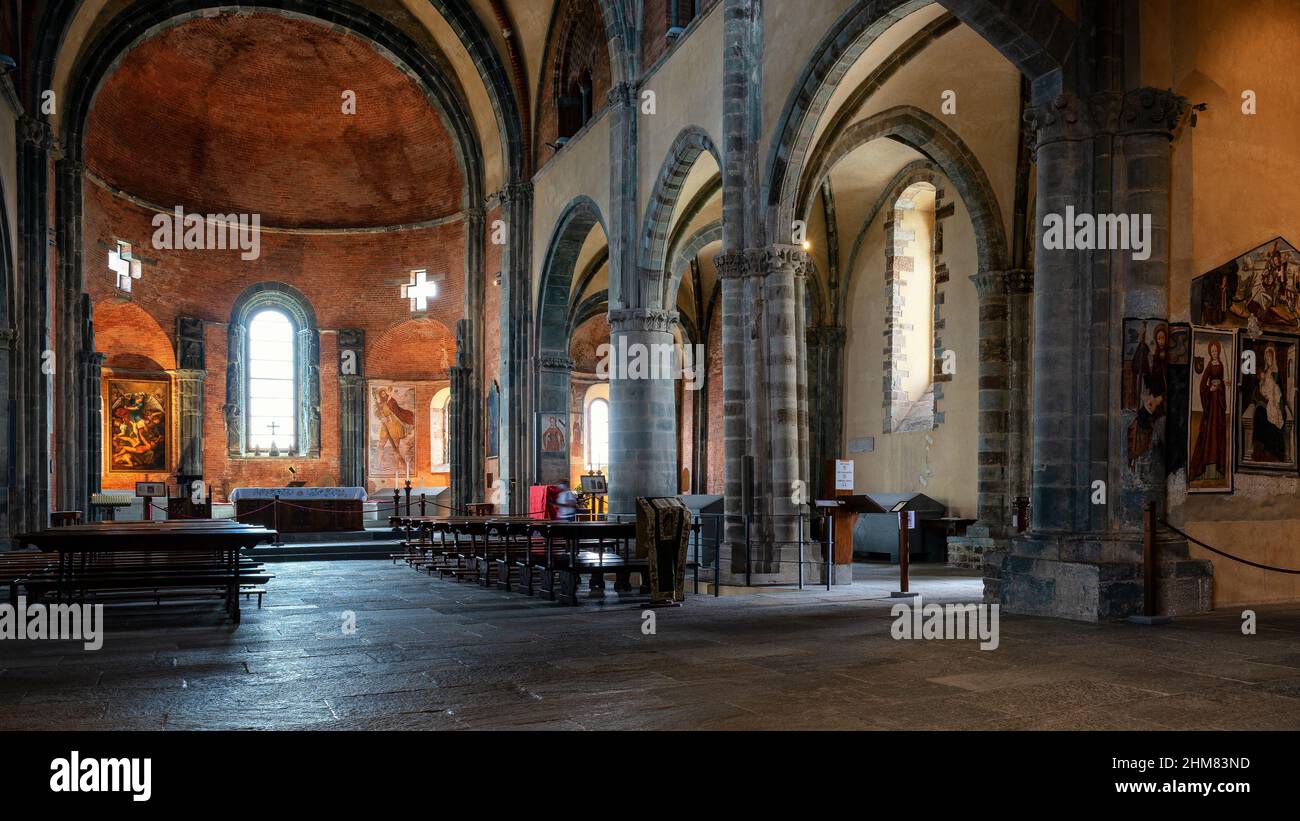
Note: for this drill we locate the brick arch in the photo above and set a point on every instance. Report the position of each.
(588, 26)
(925, 133)
(686, 149)
(415, 349)
(577, 221)
(130, 337)
(1038, 39)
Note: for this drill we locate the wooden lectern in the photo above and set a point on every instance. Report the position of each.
(844, 512)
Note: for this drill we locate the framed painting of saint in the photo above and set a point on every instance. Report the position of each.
(137, 418)
(1145, 386)
(1210, 411)
(1266, 404)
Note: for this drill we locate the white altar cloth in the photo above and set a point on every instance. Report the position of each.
(287, 493)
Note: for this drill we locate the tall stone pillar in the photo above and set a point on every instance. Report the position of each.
(825, 401)
(7, 340)
(191, 356)
(1097, 156)
(1148, 118)
(32, 452)
(737, 483)
(994, 406)
(458, 424)
(516, 348)
(352, 408)
(72, 336)
(642, 407)
(471, 432)
(554, 400)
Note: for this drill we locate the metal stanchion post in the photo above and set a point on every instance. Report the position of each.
(800, 531)
(903, 557)
(275, 518)
(1150, 570)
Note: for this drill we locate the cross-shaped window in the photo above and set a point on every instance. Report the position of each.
(124, 265)
(419, 290)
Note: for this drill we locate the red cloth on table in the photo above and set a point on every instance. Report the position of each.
(541, 501)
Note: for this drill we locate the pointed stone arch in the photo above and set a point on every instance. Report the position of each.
(686, 149)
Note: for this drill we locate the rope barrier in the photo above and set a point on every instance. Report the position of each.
(1219, 552)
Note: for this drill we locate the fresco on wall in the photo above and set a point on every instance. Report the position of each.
(1209, 425)
(1266, 429)
(1178, 385)
(137, 417)
(1258, 290)
(1146, 357)
(391, 437)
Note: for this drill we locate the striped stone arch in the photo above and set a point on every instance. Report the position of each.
(686, 149)
(580, 216)
(690, 249)
(925, 133)
(1037, 38)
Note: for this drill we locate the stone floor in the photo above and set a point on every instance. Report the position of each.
(429, 654)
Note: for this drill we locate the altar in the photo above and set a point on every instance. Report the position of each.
(300, 509)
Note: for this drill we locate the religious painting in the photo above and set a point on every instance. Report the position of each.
(137, 417)
(391, 441)
(554, 437)
(493, 423)
(1178, 386)
(1209, 424)
(1145, 391)
(1266, 405)
(1258, 291)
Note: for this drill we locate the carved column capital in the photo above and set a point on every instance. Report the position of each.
(731, 264)
(990, 284)
(621, 95)
(779, 258)
(642, 319)
(1152, 111)
(1020, 281)
(36, 132)
(555, 362)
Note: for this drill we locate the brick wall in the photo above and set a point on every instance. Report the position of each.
(577, 41)
(350, 279)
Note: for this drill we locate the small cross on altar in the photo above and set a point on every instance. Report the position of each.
(420, 289)
(124, 265)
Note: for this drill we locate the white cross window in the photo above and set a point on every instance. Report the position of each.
(420, 290)
(125, 266)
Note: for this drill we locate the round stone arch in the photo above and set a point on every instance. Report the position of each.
(690, 249)
(1039, 40)
(923, 132)
(555, 367)
(686, 149)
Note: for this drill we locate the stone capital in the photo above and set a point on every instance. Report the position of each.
(1020, 281)
(475, 214)
(8, 339)
(1152, 111)
(990, 284)
(642, 319)
(36, 132)
(731, 264)
(554, 362)
(779, 259)
(189, 375)
(621, 95)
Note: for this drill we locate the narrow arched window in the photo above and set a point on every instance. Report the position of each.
(440, 431)
(597, 456)
(272, 382)
(272, 398)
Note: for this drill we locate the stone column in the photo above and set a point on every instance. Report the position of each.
(190, 377)
(90, 367)
(8, 339)
(72, 336)
(826, 395)
(32, 454)
(642, 407)
(994, 405)
(472, 406)
(737, 494)
(554, 392)
(1147, 120)
(516, 348)
(352, 408)
(458, 425)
